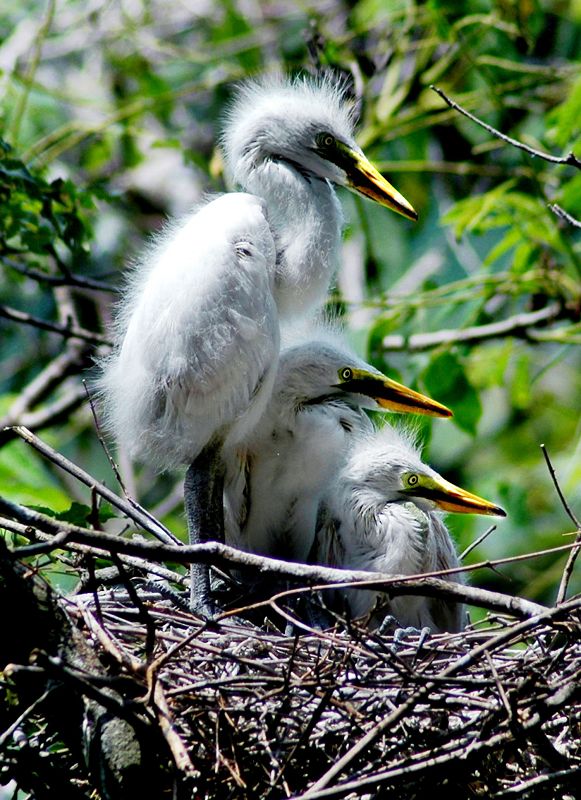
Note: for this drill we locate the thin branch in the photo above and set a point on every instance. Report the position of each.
(568, 570)
(475, 544)
(518, 325)
(570, 159)
(560, 212)
(67, 363)
(223, 555)
(546, 779)
(59, 536)
(56, 412)
(20, 719)
(68, 331)
(131, 510)
(562, 498)
(72, 280)
(112, 462)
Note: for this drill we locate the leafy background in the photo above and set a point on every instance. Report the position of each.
(109, 117)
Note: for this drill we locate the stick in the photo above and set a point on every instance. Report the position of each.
(560, 212)
(570, 159)
(568, 570)
(68, 331)
(518, 325)
(135, 513)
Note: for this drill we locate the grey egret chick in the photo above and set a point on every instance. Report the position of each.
(198, 329)
(381, 515)
(272, 493)
(289, 142)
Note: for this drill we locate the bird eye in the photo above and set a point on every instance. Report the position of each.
(346, 373)
(325, 140)
(412, 480)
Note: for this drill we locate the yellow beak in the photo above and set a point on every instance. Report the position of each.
(452, 498)
(395, 396)
(391, 395)
(363, 178)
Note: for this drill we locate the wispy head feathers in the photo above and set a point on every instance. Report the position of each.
(275, 109)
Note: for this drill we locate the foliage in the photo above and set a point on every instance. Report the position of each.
(111, 115)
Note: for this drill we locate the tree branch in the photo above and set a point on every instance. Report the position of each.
(67, 363)
(570, 159)
(518, 325)
(71, 279)
(68, 331)
(560, 212)
(130, 508)
(59, 536)
(225, 556)
(568, 570)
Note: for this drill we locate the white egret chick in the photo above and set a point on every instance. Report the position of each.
(198, 330)
(272, 493)
(381, 515)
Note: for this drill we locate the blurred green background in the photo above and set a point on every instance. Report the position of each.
(109, 116)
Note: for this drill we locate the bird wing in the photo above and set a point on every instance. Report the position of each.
(201, 346)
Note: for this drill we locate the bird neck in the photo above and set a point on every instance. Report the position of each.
(306, 219)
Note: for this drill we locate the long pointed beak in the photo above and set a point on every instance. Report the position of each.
(459, 501)
(364, 178)
(394, 396)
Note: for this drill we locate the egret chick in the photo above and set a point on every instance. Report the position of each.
(381, 515)
(198, 330)
(317, 407)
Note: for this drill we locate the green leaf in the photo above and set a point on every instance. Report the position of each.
(445, 380)
(567, 118)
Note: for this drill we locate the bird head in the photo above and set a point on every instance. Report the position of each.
(308, 124)
(317, 370)
(387, 465)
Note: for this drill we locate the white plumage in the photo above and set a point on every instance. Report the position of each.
(380, 515)
(271, 152)
(272, 492)
(274, 486)
(200, 335)
(199, 327)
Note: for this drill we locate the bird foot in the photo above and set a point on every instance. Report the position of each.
(400, 635)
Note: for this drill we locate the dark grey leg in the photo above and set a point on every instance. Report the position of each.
(203, 502)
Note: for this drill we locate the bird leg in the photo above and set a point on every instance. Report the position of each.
(203, 487)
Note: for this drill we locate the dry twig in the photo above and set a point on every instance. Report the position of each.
(570, 159)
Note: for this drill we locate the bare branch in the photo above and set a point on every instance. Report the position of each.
(68, 331)
(562, 497)
(570, 159)
(132, 510)
(48, 542)
(56, 412)
(67, 363)
(560, 212)
(71, 279)
(475, 544)
(518, 325)
(569, 566)
(224, 556)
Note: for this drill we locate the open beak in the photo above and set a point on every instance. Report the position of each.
(452, 498)
(393, 396)
(363, 178)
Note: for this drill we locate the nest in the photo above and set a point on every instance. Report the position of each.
(249, 712)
